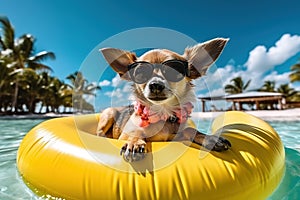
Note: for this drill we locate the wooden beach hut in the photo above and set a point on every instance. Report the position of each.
(250, 98)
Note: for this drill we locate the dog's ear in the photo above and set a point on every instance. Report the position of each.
(119, 60)
(203, 55)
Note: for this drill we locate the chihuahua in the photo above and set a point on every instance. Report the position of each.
(163, 98)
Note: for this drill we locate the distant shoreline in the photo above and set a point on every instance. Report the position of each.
(34, 116)
(280, 115)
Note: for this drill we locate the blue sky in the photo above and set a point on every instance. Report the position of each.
(264, 35)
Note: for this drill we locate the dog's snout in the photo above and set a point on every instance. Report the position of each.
(156, 87)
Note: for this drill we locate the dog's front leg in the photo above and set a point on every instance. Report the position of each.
(210, 142)
(134, 148)
(107, 119)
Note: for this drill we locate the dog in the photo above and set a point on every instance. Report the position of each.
(164, 95)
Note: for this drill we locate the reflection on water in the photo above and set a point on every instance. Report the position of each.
(289, 132)
(13, 131)
(11, 134)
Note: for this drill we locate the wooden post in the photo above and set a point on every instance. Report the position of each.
(257, 105)
(272, 106)
(233, 105)
(203, 105)
(240, 106)
(280, 104)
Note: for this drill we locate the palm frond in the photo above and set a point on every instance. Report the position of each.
(2, 45)
(246, 85)
(8, 33)
(72, 77)
(24, 46)
(237, 85)
(39, 66)
(92, 87)
(22, 71)
(295, 67)
(42, 56)
(295, 76)
(231, 89)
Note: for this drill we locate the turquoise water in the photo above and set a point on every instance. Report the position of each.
(13, 131)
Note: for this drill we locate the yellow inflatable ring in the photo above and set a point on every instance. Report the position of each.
(60, 159)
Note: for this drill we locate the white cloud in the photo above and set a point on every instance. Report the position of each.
(120, 96)
(258, 59)
(285, 48)
(127, 88)
(117, 93)
(262, 59)
(225, 74)
(278, 78)
(217, 79)
(116, 81)
(215, 92)
(89, 98)
(214, 78)
(296, 87)
(104, 83)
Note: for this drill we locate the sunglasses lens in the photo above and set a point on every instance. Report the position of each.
(174, 71)
(141, 72)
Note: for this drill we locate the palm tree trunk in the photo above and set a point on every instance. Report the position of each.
(47, 109)
(40, 111)
(32, 105)
(81, 105)
(15, 97)
(1, 103)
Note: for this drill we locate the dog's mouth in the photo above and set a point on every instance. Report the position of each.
(157, 98)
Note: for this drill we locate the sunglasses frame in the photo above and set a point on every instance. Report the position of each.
(185, 64)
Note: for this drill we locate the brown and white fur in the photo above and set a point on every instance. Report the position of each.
(121, 123)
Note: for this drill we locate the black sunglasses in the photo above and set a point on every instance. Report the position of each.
(173, 70)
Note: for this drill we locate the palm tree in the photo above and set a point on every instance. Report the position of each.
(287, 91)
(29, 90)
(22, 56)
(81, 87)
(295, 75)
(6, 80)
(52, 93)
(237, 86)
(269, 86)
(66, 96)
(5, 87)
(58, 90)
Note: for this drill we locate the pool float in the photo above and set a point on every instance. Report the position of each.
(59, 158)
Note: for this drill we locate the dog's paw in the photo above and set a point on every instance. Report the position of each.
(216, 143)
(133, 151)
(100, 133)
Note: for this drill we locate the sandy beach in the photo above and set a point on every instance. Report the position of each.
(35, 116)
(281, 115)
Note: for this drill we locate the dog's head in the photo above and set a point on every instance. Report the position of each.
(161, 76)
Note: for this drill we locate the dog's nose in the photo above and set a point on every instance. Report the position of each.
(156, 87)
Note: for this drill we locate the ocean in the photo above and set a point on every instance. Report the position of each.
(12, 132)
